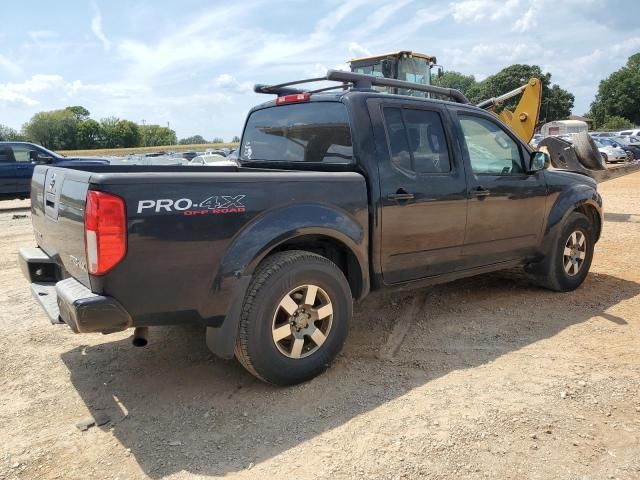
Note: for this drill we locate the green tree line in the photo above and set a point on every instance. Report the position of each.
(72, 128)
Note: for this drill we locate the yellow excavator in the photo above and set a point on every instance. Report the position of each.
(416, 68)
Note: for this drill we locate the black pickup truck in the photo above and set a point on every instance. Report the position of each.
(336, 195)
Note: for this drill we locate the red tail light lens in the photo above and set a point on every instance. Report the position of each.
(105, 231)
(295, 98)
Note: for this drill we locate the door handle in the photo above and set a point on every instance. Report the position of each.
(480, 192)
(401, 194)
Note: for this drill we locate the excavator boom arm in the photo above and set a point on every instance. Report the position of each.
(524, 118)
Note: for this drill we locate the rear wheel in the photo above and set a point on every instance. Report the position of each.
(294, 319)
(571, 257)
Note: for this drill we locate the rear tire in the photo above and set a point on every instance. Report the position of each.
(570, 260)
(587, 152)
(295, 318)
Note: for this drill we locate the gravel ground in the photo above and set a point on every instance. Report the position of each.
(495, 378)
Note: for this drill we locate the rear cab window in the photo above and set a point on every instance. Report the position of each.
(315, 132)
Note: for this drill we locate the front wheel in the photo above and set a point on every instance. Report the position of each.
(295, 318)
(571, 257)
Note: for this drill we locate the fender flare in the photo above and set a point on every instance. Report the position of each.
(259, 238)
(579, 196)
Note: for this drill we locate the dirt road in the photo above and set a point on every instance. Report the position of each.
(495, 378)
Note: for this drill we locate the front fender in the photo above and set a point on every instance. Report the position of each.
(566, 202)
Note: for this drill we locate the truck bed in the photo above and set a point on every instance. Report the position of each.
(192, 232)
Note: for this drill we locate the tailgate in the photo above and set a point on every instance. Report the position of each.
(58, 197)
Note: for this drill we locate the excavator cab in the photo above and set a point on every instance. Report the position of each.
(404, 65)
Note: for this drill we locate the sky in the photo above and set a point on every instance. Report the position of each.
(192, 64)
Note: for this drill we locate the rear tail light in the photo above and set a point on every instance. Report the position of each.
(294, 98)
(105, 231)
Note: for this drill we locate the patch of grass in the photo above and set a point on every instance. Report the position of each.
(118, 152)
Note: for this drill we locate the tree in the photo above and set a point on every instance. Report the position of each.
(56, 129)
(89, 134)
(127, 134)
(108, 132)
(556, 105)
(217, 140)
(79, 112)
(235, 139)
(8, 134)
(194, 140)
(155, 135)
(618, 94)
(455, 80)
(118, 133)
(616, 123)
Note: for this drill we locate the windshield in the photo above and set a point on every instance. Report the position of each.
(316, 132)
(414, 70)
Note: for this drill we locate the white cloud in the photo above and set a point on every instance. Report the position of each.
(527, 22)
(96, 28)
(9, 66)
(41, 35)
(357, 50)
(472, 11)
(229, 82)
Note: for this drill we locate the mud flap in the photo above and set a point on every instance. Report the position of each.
(222, 340)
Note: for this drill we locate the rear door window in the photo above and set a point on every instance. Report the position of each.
(416, 140)
(316, 132)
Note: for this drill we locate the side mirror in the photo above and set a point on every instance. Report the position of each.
(538, 161)
(44, 158)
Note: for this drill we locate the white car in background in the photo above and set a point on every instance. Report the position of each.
(609, 153)
(634, 132)
(213, 160)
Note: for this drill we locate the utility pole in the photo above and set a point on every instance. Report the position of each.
(144, 133)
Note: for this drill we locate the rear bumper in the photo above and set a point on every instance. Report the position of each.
(68, 300)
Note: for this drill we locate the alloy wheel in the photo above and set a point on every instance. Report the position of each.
(302, 321)
(575, 253)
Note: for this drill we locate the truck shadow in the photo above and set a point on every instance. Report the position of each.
(176, 407)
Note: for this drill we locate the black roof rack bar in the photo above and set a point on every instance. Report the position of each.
(359, 81)
(281, 89)
(366, 81)
(334, 87)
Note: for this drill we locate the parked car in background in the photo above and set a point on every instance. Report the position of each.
(630, 133)
(610, 153)
(213, 160)
(601, 134)
(18, 159)
(632, 150)
(186, 155)
(220, 151)
(535, 140)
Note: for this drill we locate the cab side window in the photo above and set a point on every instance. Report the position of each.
(23, 153)
(417, 140)
(6, 155)
(491, 150)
